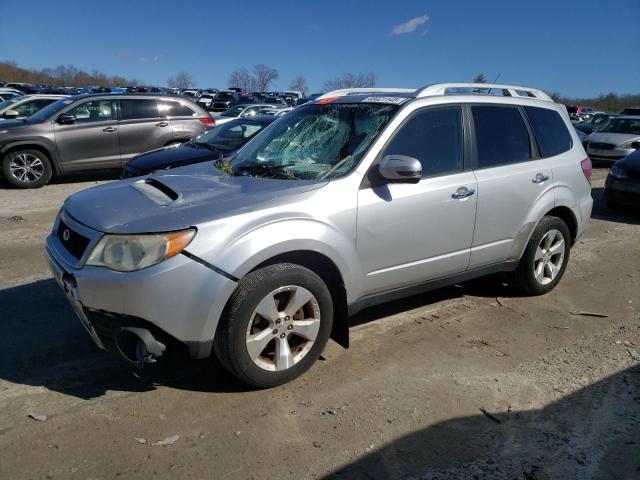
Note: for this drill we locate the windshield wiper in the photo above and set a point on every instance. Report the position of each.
(271, 171)
(335, 167)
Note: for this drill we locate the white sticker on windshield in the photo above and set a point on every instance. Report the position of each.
(394, 100)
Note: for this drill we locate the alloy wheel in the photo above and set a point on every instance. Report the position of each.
(549, 256)
(283, 328)
(26, 167)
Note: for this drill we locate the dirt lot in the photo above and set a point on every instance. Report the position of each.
(562, 391)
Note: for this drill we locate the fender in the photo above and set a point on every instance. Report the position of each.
(545, 202)
(46, 145)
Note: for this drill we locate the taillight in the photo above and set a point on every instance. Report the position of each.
(586, 168)
(208, 121)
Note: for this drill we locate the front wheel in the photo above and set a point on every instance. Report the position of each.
(545, 258)
(275, 326)
(27, 168)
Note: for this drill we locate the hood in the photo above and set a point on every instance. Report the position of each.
(614, 138)
(630, 163)
(185, 154)
(185, 197)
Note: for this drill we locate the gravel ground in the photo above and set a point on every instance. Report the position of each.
(470, 381)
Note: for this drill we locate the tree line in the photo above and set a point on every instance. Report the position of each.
(260, 78)
(62, 75)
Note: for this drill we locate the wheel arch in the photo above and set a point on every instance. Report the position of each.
(565, 214)
(46, 150)
(330, 274)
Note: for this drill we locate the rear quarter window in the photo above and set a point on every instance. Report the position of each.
(550, 131)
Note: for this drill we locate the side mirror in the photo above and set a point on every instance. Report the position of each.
(635, 145)
(11, 114)
(66, 119)
(400, 168)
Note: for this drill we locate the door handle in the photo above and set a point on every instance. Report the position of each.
(463, 192)
(540, 178)
(162, 124)
(109, 129)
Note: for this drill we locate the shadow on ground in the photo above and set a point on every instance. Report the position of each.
(621, 214)
(593, 433)
(42, 343)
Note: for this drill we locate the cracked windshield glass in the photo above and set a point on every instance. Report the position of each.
(313, 142)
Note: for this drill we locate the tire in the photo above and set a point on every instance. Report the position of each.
(540, 269)
(243, 331)
(27, 168)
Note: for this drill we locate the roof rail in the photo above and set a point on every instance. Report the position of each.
(360, 91)
(512, 90)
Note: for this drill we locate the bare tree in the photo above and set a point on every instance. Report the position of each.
(351, 80)
(182, 80)
(299, 84)
(241, 78)
(263, 76)
(480, 78)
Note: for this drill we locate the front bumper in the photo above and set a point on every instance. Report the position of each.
(178, 296)
(623, 190)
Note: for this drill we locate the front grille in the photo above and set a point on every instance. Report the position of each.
(633, 174)
(75, 243)
(602, 146)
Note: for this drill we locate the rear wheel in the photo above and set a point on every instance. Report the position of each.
(275, 326)
(27, 168)
(545, 258)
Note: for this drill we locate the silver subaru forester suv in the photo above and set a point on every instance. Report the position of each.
(361, 197)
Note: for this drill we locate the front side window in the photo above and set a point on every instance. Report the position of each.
(138, 108)
(434, 137)
(501, 136)
(233, 112)
(314, 141)
(550, 131)
(93, 111)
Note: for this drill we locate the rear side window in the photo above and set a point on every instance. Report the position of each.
(174, 109)
(550, 131)
(134, 108)
(433, 136)
(501, 136)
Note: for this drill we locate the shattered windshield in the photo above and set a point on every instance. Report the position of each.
(313, 142)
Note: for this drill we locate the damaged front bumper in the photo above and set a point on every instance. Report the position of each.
(177, 299)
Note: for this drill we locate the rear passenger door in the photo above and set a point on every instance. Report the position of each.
(141, 127)
(512, 177)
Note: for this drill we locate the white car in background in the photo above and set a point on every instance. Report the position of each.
(18, 108)
(248, 110)
(614, 139)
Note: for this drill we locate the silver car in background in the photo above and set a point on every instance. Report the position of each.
(94, 132)
(614, 140)
(18, 108)
(364, 196)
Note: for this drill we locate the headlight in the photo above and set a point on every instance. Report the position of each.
(628, 144)
(618, 172)
(126, 253)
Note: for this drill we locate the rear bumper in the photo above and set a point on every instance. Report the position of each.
(179, 297)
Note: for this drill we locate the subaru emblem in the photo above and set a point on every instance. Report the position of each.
(66, 235)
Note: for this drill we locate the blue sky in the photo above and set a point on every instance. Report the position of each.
(577, 48)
